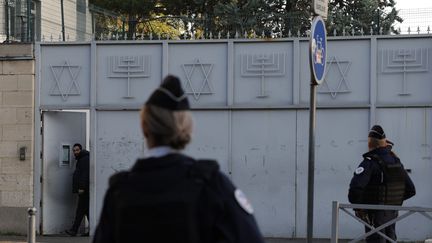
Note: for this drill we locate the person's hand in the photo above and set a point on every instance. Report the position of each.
(362, 215)
(80, 191)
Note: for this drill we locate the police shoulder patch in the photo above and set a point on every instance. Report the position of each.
(243, 201)
(359, 170)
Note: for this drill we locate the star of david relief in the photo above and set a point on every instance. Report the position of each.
(195, 84)
(405, 61)
(128, 67)
(335, 77)
(263, 66)
(65, 85)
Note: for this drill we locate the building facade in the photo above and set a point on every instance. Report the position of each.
(34, 20)
(16, 136)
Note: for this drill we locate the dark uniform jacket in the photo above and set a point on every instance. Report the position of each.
(218, 217)
(369, 173)
(81, 175)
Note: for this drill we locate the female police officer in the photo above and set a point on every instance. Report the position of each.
(168, 196)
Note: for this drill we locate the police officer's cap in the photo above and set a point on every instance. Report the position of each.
(377, 132)
(169, 95)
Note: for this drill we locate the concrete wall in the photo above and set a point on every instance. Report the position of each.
(16, 131)
(250, 101)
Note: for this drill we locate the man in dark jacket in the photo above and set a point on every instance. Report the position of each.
(380, 179)
(80, 185)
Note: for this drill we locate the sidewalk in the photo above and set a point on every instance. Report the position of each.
(45, 239)
(67, 239)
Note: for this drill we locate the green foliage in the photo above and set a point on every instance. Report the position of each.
(268, 17)
(365, 15)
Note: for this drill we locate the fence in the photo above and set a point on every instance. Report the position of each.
(28, 20)
(344, 207)
(415, 20)
(18, 22)
(237, 86)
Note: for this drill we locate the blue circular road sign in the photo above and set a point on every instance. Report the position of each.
(318, 49)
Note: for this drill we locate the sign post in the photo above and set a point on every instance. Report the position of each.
(318, 57)
(320, 8)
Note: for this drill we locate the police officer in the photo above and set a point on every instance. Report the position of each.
(171, 197)
(380, 179)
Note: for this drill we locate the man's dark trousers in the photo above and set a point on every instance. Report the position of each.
(378, 218)
(82, 210)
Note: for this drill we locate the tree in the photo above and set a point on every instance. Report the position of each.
(271, 17)
(134, 11)
(366, 15)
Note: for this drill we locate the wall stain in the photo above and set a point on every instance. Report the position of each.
(334, 144)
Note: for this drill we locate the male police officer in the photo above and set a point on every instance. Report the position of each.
(380, 179)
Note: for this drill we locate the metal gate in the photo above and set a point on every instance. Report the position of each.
(250, 101)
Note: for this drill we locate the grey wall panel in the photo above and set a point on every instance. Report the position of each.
(119, 143)
(263, 147)
(211, 138)
(263, 76)
(411, 131)
(347, 76)
(203, 70)
(127, 74)
(65, 75)
(404, 71)
(265, 150)
(341, 139)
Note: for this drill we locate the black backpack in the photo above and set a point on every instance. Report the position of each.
(167, 215)
(392, 190)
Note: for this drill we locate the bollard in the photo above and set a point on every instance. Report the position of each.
(31, 234)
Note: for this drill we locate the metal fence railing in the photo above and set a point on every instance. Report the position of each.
(416, 20)
(17, 20)
(20, 21)
(344, 207)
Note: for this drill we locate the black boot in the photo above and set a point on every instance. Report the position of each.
(71, 232)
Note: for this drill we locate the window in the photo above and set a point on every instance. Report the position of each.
(81, 6)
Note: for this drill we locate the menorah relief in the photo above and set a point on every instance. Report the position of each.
(405, 61)
(263, 66)
(128, 67)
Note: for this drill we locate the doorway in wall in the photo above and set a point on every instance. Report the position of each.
(61, 129)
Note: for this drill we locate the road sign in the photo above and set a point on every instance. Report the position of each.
(320, 7)
(318, 50)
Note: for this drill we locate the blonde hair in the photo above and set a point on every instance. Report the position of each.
(374, 143)
(166, 127)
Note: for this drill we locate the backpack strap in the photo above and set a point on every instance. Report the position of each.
(204, 169)
(377, 158)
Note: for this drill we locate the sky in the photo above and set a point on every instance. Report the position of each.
(403, 4)
(417, 15)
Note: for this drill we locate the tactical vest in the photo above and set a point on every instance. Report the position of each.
(391, 190)
(145, 214)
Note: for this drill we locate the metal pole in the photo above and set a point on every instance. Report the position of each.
(311, 165)
(62, 20)
(29, 22)
(335, 222)
(7, 20)
(31, 234)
